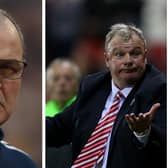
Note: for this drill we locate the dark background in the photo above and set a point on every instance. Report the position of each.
(76, 29)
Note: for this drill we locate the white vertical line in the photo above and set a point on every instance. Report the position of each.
(167, 70)
(43, 82)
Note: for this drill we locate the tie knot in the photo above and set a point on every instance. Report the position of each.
(118, 95)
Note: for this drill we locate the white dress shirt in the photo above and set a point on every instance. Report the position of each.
(108, 104)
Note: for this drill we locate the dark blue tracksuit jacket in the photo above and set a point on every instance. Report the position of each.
(11, 157)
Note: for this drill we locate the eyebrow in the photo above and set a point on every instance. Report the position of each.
(122, 48)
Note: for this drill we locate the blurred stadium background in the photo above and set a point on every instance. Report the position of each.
(76, 29)
(23, 130)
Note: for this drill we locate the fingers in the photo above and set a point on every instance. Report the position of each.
(138, 124)
(132, 117)
(129, 121)
(141, 116)
(143, 120)
(154, 108)
(147, 115)
(128, 118)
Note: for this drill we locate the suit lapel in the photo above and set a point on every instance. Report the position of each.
(96, 106)
(127, 107)
(99, 103)
(91, 110)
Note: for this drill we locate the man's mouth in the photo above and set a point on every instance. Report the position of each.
(130, 70)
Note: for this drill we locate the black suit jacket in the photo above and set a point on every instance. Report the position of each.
(77, 122)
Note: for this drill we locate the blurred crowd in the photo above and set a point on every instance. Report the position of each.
(63, 77)
(76, 29)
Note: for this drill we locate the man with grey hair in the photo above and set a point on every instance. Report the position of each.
(119, 117)
(62, 83)
(12, 65)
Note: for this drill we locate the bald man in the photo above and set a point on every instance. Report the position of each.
(12, 65)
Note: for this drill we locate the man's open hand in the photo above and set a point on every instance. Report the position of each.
(142, 122)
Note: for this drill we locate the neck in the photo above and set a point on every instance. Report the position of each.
(121, 85)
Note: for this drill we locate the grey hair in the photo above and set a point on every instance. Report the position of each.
(4, 15)
(60, 61)
(125, 31)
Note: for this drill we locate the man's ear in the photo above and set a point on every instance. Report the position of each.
(146, 56)
(106, 57)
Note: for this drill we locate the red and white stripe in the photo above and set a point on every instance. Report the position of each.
(94, 149)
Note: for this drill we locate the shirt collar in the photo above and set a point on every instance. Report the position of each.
(124, 91)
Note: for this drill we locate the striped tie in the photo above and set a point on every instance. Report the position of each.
(93, 151)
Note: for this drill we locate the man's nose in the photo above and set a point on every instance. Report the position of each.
(62, 80)
(128, 59)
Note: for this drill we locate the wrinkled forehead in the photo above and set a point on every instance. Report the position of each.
(127, 46)
(119, 42)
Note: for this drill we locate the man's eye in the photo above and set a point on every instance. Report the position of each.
(10, 69)
(6, 71)
(135, 53)
(119, 54)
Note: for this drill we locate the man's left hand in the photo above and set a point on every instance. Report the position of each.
(141, 123)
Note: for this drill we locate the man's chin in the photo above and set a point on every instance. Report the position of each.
(131, 80)
(61, 99)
